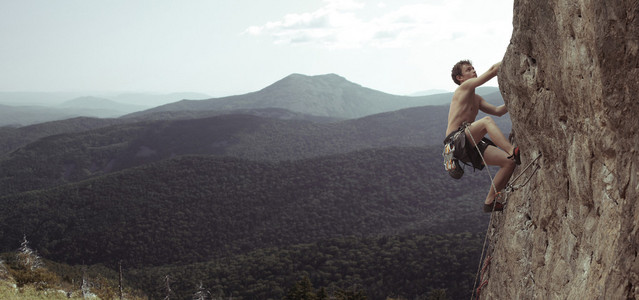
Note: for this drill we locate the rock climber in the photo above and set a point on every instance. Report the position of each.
(461, 117)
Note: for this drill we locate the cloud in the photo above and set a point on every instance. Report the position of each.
(353, 24)
(335, 25)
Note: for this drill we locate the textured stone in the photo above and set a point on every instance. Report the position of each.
(570, 79)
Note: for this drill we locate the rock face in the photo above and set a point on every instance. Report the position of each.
(570, 79)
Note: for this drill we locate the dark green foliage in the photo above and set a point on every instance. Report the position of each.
(438, 294)
(414, 266)
(245, 206)
(196, 208)
(71, 157)
(301, 290)
(13, 138)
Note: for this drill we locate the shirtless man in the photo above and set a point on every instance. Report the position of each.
(463, 109)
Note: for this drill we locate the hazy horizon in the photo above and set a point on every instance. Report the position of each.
(25, 98)
(231, 47)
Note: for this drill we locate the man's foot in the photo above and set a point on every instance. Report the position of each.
(516, 156)
(496, 207)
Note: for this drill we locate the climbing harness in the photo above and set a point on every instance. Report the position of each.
(509, 188)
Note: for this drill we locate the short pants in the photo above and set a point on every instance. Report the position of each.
(469, 153)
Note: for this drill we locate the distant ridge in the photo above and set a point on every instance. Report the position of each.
(99, 107)
(328, 95)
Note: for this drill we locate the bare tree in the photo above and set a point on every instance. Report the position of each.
(202, 293)
(86, 290)
(167, 288)
(28, 257)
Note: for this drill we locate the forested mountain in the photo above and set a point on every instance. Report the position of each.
(299, 91)
(16, 116)
(27, 108)
(99, 107)
(249, 201)
(404, 266)
(71, 157)
(323, 95)
(195, 208)
(12, 138)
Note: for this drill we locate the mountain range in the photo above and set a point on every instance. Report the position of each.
(204, 181)
(19, 109)
(327, 95)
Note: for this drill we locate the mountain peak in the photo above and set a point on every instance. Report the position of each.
(326, 95)
(329, 76)
(312, 80)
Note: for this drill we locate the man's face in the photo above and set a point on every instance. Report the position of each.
(468, 71)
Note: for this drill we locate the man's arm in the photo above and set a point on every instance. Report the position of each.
(491, 109)
(483, 78)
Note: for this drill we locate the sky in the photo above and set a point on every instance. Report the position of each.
(229, 47)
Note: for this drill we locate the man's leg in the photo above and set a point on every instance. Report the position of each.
(486, 125)
(497, 157)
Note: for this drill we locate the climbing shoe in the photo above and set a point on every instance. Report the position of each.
(516, 156)
(497, 207)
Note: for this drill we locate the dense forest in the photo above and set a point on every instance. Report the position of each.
(193, 208)
(201, 210)
(409, 266)
(253, 204)
(69, 157)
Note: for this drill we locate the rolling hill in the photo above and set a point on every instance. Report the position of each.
(99, 107)
(19, 109)
(12, 138)
(323, 95)
(278, 183)
(70, 157)
(279, 101)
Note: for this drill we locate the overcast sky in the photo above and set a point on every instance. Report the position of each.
(227, 47)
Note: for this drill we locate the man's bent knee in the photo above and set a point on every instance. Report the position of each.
(509, 164)
(487, 119)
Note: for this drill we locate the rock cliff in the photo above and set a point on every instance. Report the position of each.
(570, 79)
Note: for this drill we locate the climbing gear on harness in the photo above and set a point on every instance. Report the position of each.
(453, 149)
(458, 150)
(451, 164)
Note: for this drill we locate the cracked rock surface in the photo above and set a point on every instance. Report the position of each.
(570, 79)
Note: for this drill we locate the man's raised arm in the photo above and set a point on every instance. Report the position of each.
(483, 78)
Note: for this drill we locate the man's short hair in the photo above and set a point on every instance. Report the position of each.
(457, 69)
